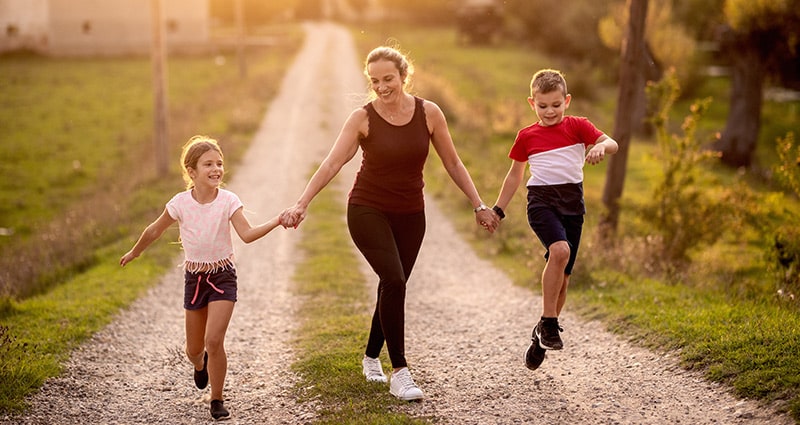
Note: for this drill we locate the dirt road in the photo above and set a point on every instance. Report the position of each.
(467, 325)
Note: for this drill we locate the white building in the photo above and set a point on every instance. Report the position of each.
(100, 27)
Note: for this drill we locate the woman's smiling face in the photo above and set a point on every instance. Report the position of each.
(385, 79)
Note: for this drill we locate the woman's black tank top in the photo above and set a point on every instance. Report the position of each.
(390, 178)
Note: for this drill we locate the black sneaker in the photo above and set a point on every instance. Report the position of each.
(534, 355)
(201, 376)
(547, 334)
(218, 411)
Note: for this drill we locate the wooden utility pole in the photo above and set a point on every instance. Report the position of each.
(240, 38)
(160, 114)
(633, 52)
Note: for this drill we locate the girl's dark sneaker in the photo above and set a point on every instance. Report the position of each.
(218, 411)
(201, 376)
(534, 355)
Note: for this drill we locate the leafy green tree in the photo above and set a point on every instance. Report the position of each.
(568, 31)
(760, 37)
(667, 44)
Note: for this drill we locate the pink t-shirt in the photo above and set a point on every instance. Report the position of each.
(205, 229)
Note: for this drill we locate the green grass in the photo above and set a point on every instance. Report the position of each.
(40, 332)
(749, 344)
(336, 315)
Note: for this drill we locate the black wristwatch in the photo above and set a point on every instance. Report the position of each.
(499, 211)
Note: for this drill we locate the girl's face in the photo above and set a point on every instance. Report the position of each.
(209, 170)
(386, 81)
(550, 107)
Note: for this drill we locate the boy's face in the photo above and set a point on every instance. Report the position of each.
(549, 107)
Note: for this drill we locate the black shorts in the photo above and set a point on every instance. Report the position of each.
(551, 226)
(203, 288)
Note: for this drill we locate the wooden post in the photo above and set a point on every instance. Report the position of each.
(240, 38)
(158, 57)
(632, 54)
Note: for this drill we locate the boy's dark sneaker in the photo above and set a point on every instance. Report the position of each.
(547, 333)
(218, 411)
(201, 376)
(534, 356)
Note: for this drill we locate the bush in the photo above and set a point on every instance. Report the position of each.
(784, 254)
(682, 213)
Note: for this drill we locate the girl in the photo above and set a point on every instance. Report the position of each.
(204, 213)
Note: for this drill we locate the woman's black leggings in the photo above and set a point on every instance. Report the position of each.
(390, 243)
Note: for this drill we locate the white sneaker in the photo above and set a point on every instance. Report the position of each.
(372, 369)
(403, 386)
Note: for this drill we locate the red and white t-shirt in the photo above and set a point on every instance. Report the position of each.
(556, 155)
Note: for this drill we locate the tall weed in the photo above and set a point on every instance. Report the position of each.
(785, 251)
(682, 214)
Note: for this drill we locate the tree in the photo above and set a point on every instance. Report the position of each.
(630, 69)
(760, 37)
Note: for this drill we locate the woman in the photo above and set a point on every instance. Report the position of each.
(386, 211)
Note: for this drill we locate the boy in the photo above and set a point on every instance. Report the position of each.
(556, 149)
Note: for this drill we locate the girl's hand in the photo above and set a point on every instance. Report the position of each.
(127, 258)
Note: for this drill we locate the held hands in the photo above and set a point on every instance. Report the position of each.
(292, 217)
(488, 219)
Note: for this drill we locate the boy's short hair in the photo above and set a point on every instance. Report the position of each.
(548, 80)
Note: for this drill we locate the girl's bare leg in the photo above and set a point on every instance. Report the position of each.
(219, 316)
(196, 336)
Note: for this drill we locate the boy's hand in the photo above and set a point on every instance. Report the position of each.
(596, 154)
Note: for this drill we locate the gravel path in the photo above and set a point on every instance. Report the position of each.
(467, 325)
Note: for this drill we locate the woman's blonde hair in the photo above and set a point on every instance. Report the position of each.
(192, 151)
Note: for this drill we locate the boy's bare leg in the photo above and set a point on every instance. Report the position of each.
(554, 281)
(562, 296)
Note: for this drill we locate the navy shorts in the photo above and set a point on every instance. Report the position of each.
(203, 288)
(551, 226)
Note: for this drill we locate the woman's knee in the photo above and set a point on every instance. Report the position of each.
(393, 286)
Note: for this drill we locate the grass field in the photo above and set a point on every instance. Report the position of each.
(724, 318)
